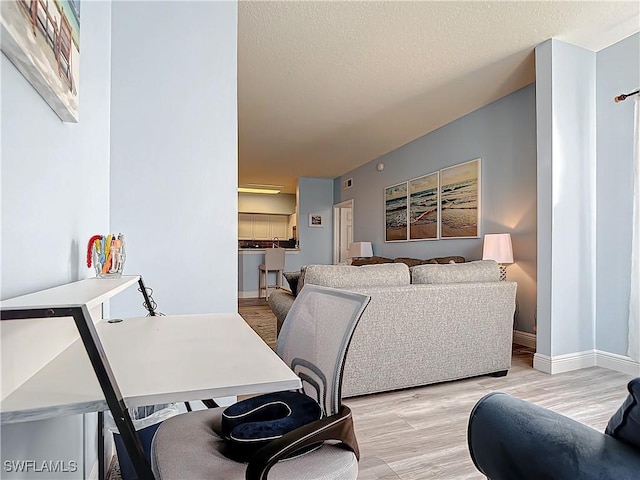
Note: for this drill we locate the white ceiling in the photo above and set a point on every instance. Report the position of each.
(324, 87)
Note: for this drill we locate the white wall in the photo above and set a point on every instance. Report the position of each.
(55, 195)
(566, 225)
(618, 72)
(585, 145)
(174, 152)
(569, 224)
(55, 176)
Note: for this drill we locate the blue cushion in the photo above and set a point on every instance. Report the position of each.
(252, 423)
(625, 423)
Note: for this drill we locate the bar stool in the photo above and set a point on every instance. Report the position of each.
(273, 261)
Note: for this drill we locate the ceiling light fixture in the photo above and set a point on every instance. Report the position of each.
(261, 189)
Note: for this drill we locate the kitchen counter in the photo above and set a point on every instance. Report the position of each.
(244, 251)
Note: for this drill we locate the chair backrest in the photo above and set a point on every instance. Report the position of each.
(274, 258)
(315, 337)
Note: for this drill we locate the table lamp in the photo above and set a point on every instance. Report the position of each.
(497, 246)
(360, 250)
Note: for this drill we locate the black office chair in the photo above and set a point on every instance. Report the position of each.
(313, 341)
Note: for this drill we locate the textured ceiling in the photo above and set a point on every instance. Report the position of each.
(324, 87)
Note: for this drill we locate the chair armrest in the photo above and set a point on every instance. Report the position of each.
(336, 427)
(510, 438)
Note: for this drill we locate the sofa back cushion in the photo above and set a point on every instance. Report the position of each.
(470, 272)
(348, 276)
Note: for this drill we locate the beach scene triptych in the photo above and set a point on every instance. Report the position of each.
(439, 205)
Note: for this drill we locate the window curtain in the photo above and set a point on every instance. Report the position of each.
(634, 300)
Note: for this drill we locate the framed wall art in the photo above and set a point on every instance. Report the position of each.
(395, 213)
(460, 200)
(316, 220)
(423, 207)
(42, 39)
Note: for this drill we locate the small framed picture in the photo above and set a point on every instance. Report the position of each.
(316, 220)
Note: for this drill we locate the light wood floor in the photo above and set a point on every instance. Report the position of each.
(420, 433)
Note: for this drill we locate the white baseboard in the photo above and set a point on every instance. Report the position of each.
(586, 359)
(248, 294)
(524, 338)
(564, 363)
(542, 362)
(619, 363)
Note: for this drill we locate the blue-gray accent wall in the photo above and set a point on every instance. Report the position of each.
(503, 135)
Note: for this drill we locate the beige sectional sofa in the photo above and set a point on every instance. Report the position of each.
(431, 323)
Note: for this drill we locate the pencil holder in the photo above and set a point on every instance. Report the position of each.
(107, 255)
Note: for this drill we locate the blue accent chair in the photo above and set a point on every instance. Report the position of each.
(513, 439)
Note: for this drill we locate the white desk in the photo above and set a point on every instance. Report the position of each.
(154, 360)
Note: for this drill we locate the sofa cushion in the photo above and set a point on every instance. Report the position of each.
(348, 276)
(292, 280)
(471, 272)
(356, 262)
(625, 423)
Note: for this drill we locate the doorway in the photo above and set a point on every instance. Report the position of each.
(342, 230)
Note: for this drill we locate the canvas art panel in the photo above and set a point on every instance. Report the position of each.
(42, 39)
(395, 212)
(460, 200)
(423, 207)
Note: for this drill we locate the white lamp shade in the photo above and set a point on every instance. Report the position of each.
(360, 249)
(497, 246)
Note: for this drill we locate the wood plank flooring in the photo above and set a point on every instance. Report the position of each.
(420, 433)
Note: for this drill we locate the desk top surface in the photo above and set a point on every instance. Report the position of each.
(155, 360)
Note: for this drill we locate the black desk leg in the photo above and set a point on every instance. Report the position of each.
(102, 474)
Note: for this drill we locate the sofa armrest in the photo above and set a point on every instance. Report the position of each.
(510, 438)
(280, 302)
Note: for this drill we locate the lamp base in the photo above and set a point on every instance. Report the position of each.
(503, 272)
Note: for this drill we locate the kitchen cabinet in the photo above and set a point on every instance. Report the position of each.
(245, 226)
(279, 226)
(258, 226)
(262, 227)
